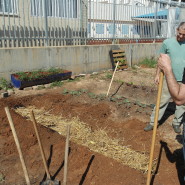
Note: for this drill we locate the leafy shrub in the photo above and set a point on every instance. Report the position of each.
(148, 62)
(4, 84)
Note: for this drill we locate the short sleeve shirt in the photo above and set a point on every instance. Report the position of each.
(176, 52)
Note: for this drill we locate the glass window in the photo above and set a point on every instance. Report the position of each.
(112, 28)
(125, 29)
(55, 8)
(8, 6)
(99, 28)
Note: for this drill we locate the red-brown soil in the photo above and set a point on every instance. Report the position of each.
(120, 120)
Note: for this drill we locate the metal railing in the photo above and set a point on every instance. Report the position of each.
(30, 23)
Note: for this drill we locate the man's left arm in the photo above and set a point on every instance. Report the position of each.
(177, 91)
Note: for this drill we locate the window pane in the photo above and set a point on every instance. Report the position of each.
(55, 8)
(1, 5)
(8, 6)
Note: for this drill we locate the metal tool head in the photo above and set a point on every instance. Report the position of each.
(50, 182)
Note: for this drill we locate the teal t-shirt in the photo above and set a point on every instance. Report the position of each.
(176, 52)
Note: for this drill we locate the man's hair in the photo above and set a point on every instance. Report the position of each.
(181, 26)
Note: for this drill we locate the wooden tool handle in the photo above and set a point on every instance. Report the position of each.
(66, 155)
(155, 126)
(18, 145)
(40, 145)
(112, 78)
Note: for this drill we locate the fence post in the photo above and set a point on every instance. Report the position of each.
(46, 21)
(114, 24)
(154, 28)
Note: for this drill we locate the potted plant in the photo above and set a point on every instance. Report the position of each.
(26, 79)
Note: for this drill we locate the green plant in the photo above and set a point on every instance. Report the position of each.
(83, 90)
(126, 101)
(119, 81)
(53, 70)
(41, 87)
(149, 62)
(130, 83)
(65, 91)
(56, 84)
(118, 97)
(101, 96)
(73, 80)
(4, 84)
(2, 178)
(75, 93)
(92, 95)
(27, 76)
(108, 75)
(140, 104)
(112, 99)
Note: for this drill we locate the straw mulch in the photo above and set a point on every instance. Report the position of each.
(97, 141)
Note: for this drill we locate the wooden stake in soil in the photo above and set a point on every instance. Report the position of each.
(112, 78)
(155, 126)
(40, 144)
(48, 181)
(66, 155)
(18, 145)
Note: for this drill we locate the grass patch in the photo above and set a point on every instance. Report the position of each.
(148, 62)
(56, 84)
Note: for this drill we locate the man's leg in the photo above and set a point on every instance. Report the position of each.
(165, 98)
(179, 112)
(183, 137)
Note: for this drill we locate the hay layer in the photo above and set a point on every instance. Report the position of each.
(97, 141)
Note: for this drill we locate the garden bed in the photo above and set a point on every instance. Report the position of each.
(116, 123)
(26, 79)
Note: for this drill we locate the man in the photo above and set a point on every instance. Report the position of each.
(176, 90)
(175, 49)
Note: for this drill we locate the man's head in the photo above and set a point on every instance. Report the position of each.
(181, 32)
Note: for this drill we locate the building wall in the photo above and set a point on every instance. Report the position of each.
(78, 59)
(24, 25)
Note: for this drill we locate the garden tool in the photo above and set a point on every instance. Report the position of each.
(112, 78)
(66, 155)
(18, 145)
(48, 181)
(155, 126)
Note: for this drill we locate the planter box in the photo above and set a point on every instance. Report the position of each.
(44, 80)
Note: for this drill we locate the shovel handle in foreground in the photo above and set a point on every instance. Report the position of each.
(40, 145)
(18, 145)
(155, 126)
(66, 155)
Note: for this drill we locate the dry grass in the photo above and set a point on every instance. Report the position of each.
(97, 141)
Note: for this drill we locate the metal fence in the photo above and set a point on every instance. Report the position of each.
(28, 23)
